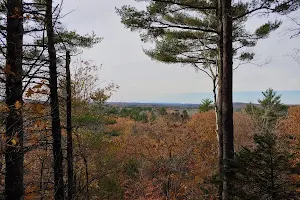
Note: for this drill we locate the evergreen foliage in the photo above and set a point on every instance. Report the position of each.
(270, 108)
(263, 172)
(206, 105)
(187, 32)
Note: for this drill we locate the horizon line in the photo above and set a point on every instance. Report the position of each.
(289, 97)
(278, 91)
(136, 102)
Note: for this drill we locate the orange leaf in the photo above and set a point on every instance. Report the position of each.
(37, 86)
(39, 108)
(29, 92)
(4, 107)
(38, 123)
(18, 104)
(63, 132)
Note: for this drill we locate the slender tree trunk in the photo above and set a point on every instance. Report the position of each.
(42, 180)
(85, 161)
(219, 101)
(273, 193)
(87, 178)
(75, 185)
(69, 131)
(56, 126)
(14, 155)
(227, 110)
(220, 133)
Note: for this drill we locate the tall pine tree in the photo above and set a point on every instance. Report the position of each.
(193, 32)
(14, 155)
(55, 118)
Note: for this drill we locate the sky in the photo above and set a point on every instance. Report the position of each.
(144, 80)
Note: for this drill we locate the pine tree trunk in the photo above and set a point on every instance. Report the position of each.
(219, 101)
(14, 156)
(69, 131)
(220, 143)
(56, 126)
(220, 132)
(227, 109)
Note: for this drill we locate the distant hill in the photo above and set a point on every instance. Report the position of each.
(236, 105)
(137, 104)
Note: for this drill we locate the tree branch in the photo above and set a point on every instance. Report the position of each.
(187, 5)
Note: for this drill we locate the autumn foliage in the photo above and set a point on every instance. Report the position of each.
(127, 159)
(165, 159)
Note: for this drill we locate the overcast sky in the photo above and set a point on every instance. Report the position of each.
(144, 80)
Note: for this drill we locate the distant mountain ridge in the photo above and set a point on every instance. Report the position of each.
(236, 105)
(289, 97)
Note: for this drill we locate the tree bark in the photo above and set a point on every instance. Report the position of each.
(219, 102)
(56, 126)
(14, 155)
(69, 131)
(227, 109)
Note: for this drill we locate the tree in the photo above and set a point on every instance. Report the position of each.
(58, 40)
(272, 106)
(34, 71)
(101, 95)
(252, 109)
(70, 157)
(55, 118)
(185, 115)
(14, 155)
(295, 32)
(291, 124)
(270, 109)
(35, 58)
(183, 37)
(227, 107)
(268, 167)
(85, 84)
(263, 172)
(162, 111)
(206, 105)
(188, 39)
